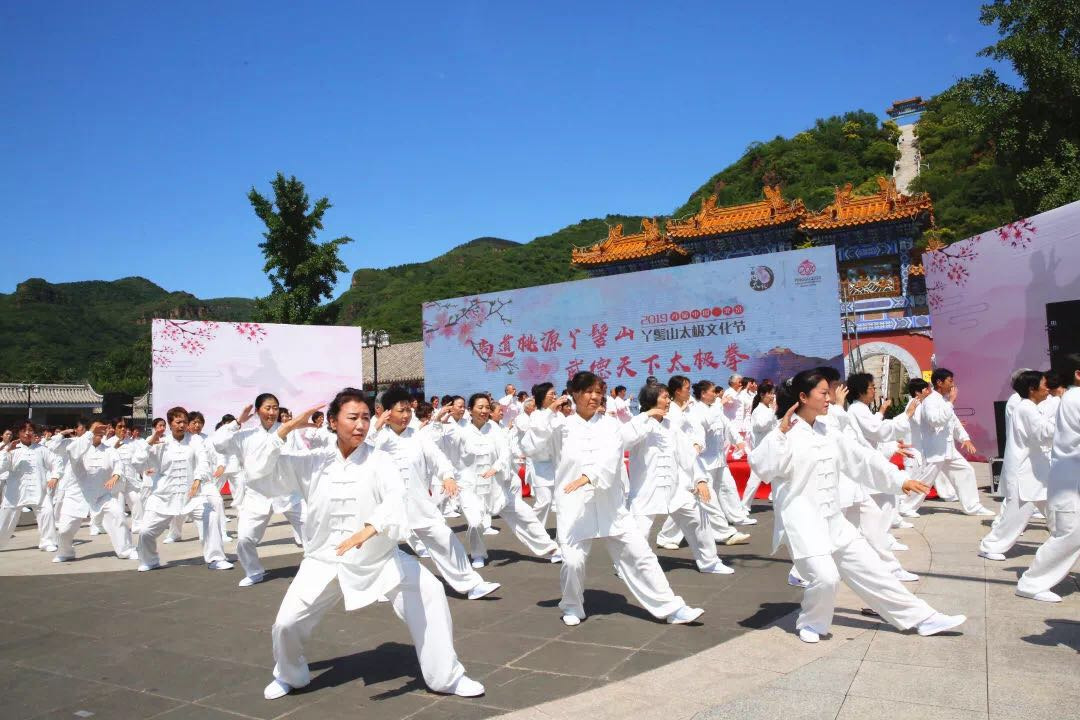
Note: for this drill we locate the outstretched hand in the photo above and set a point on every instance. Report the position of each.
(914, 486)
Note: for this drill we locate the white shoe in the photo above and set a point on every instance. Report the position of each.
(983, 512)
(909, 514)
(382, 599)
(96, 531)
(904, 576)
(556, 558)
(795, 581)
(1044, 596)
(738, 538)
(747, 521)
(992, 555)
(1037, 515)
(276, 689)
(491, 531)
(667, 546)
(898, 546)
(169, 540)
(685, 614)
(719, 569)
(478, 562)
(131, 554)
(808, 636)
(940, 623)
(452, 514)
(144, 567)
(484, 588)
(63, 558)
(467, 687)
(902, 525)
(571, 620)
(220, 565)
(50, 548)
(422, 552)
(252, 580)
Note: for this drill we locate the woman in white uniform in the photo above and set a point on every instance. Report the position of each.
(802, 458)
(762, 421)
(264, 493)
(1026, 464)
(588, 453)
(540, 461)
(355, 519)
(1061, 550)
(665, 476)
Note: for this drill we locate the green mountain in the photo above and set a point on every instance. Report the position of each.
(96, 330)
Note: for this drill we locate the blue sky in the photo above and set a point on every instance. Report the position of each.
(133, 131)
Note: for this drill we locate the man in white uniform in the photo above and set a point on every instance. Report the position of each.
(31, 469)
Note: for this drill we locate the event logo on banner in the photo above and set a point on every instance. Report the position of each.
(219, 367)
(767, 316)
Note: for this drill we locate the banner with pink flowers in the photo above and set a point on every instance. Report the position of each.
(766, 316)
(219, 367)
(988, 297)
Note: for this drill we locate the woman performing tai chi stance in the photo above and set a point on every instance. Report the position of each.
(355, 520)
(590, 504)
(802, 458)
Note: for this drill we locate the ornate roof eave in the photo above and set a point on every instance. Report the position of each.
(650, 242)
(773, 211)
(887, 205)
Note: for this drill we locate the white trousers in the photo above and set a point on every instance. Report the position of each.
(637, 566)
(543, 495)
(135, 499)
(1056, 556)
(475, 509)
(860, 567)
(112, 517)
(206, 517)
(951, 473)
(251, 526)
(727, 494)
(750, 490)
(711, 511)
(1010, 525)
(46, 522)
(97, 520)
(419, 600)
(523, 522)
(449, 556)
(694, 527)
(874, 526)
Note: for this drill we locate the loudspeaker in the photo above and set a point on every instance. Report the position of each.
(1062, 329)
(999, 426)
(115, 404)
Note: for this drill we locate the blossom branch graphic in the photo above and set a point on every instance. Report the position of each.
(462, 318)
(954, 260)
(172, 338)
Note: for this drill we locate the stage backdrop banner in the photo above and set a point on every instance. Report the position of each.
(988, 296)
(765, 316)
(219, 367)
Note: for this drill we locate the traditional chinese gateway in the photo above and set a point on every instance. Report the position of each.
(884, 309)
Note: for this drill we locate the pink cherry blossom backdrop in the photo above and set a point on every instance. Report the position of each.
(218, 367)
(988, 297)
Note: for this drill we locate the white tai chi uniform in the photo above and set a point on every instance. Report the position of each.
(343, 495)
(263, 492)
(718, 434)
(762, 421)
(1061, 550)
(1027, 467)
(939, 426)
(177, 464)
(803, 466)
(877, 433)
(593, 448)
(134, 485)
(417, 460)
(29, 469)
(664, 468)
(514, 511)
(541, 468)
(90, 467)
(708, 428)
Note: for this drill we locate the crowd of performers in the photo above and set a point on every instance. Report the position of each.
(363, 479)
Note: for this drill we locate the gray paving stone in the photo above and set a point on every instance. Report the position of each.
(965, 690)
(827, 674)
(113, 704)
(777, 704)
(861, 708)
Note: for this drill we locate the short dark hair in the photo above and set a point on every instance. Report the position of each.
(317, 414)
(424, 410)
(701, 386)
(764, 388)
(939, 376)
(347, 395)
(477, 397)
(619, 389)
(1068, 365)
(196, 415)
(676, 382)
(447, 400)
(787, 394)
(1027, 381)
(826, 371)
(540, 391)
(175, 412)
(858, 384)
(650, 396)
(1053, 379)
(583, 380)
(916, 386)
(263, 397)
(394, 395)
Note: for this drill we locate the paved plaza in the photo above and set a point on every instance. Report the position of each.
(94, 638)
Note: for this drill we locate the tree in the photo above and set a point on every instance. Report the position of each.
(302, 271)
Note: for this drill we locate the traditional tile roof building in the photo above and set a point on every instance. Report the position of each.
(47, 403)
(401, 364)
(883, 291)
